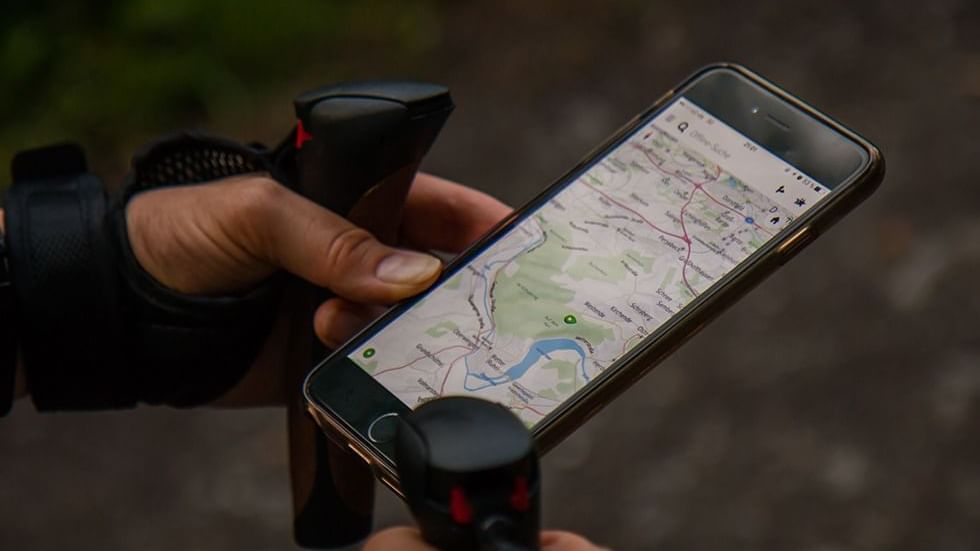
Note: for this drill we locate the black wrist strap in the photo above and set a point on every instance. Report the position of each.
(66, 289)
(8, 333)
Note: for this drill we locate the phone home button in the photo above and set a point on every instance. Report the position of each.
(383, 429)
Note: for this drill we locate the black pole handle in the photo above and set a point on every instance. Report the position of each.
(357, 148)
(470, 474)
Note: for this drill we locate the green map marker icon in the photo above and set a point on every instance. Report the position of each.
(570, 319)
(368, 353)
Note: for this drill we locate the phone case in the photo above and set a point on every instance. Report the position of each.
(687, 323)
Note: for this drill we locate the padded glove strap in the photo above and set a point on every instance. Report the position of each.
(191, 349)
(98, 331)
(64, 282)
(8, 333)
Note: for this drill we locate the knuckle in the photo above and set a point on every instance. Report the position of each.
(347, 249)
(255, 201)
(257, 195)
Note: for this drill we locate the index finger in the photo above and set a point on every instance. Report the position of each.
(446, 216)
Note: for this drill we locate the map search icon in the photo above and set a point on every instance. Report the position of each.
(682, 127)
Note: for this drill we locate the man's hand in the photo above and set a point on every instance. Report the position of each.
(402, 538)
(227, 236)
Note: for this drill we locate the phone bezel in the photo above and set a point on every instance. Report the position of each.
(338, 390)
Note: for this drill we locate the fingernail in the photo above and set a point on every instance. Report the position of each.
(407, 268)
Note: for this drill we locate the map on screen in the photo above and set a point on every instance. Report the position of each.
(577, 283)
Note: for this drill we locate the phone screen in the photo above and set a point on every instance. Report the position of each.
(608, 258)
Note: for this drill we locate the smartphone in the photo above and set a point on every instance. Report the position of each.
(582, 291)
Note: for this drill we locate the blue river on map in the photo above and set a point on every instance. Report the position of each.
(537, 350)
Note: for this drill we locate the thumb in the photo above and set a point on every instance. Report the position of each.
(327, 250)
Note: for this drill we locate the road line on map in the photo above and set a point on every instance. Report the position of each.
(651, 224)
(390, 369)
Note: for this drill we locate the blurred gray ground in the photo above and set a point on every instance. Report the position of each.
(835, 408)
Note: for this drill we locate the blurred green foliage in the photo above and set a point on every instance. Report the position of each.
(111, 73)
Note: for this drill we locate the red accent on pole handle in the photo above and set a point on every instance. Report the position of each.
(520, 500)
(302, 136)
(459, 508)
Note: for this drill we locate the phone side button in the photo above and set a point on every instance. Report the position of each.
(794, 244)
(391, 485)
(364, 457)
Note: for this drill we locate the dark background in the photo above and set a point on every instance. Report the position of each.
(835, 408)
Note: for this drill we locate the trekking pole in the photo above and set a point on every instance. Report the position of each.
(355, 150)
(470, 475)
